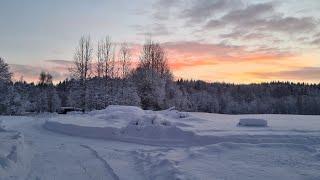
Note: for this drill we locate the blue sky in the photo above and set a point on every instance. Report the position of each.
(36, 30)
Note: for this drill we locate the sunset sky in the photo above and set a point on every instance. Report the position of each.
(240, 41)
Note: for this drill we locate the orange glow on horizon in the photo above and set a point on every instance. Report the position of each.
(246, 68)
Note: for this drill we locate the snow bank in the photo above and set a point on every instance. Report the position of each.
(155, 127)
(253, 122)
(173, 113)
(125, 123)
(171, 127)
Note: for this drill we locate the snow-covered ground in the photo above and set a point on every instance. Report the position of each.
(129, 143)
(13, 159)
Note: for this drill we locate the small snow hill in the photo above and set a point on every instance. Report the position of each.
(125, 123)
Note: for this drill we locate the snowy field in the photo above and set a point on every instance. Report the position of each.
(128, 143)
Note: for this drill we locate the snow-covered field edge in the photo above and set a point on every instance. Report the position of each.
(174, 128)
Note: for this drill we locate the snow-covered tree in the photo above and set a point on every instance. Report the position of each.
(152, 76)
(54, 101)
(5, 74)
(13, 102)
(82, 66)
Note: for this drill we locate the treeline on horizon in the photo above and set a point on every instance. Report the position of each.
(111, 80)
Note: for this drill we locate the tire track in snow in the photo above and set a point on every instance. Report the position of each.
(104, 162)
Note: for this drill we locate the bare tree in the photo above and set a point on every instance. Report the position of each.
(104, 65)
(107, 56)
(82, 59)
(124, 60)
(104, 56)
(82, 65)
(124, 65)
(42, 78)
(113, 71)
(113, 66)
(45, 78)
(5, 74)
(153, 57)
(100, 60)
(49, 79)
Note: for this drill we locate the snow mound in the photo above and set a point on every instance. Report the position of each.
(173, 113)
(253, 122)
(155, 126)
(117, 113)
(124, 123)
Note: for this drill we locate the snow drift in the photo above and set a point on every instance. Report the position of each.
(125, 123)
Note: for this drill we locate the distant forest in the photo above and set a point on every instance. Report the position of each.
(110, 79)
